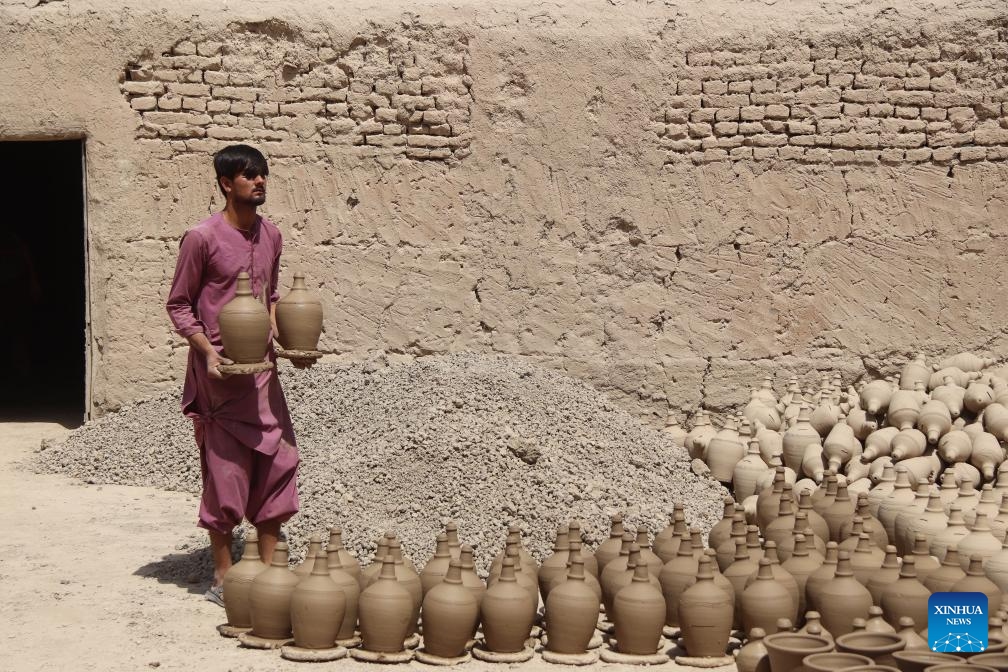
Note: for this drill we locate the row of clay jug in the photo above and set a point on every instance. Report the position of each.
(245, 324)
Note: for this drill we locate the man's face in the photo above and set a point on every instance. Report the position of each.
(246, 188)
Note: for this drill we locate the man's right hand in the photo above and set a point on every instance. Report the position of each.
(213, 360)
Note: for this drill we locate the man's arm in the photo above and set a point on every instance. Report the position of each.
(182, 298)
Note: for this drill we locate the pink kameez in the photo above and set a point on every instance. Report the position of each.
(243, 428)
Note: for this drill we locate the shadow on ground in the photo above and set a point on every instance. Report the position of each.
(190, 569)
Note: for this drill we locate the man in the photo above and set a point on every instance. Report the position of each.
(247, 449)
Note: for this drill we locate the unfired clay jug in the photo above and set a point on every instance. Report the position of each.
(907, 629)
(766, 600)
(615, 569)
(934, 421)
(648, 557)
(995, 420)
(556, 563)
(901, 496)
(588, 559)
(304, 569)
(244, 325)
(925, 563)
(768, 500)
(976, 582)
(747, 472)
(590, 580)
(839, 512)
(876, 621)
(946, 576)
(841, 599)
(718, 534)
(350, 587)
(700, 435)
(677, 575)
(979, 395)
(723, 452)
(978, 543)
(927, 523)
(386, 612)
(800, 566)
(904, 408)
(370, 573)
(408, 579)
(270, 597)
(639, 614)
(572, 612)
(470, 579)
(907, 596)
(705, 613)
(913, 372)
(799, 436)
(348, 563)
(449, 615)
(952, 534)
(989, 504)
(866, 559)
(507, 612)
(238, 583)
(841, 447)
(674, 430)
(966, 361)
(996, 568)
(317, 608)
(753, 656)
(454, 544)
(780, 528)
(987, 455)
(887, 574)
(299, 317)
(609, 549)
(875, 396)
(781, 577)
(951, 395)
(437, 567)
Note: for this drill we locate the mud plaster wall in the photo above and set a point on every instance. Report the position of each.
(667, 201)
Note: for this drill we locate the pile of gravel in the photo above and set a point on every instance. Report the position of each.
(483, 440)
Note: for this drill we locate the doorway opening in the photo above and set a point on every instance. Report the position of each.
(43, 265)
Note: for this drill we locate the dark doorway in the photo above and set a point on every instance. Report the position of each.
(43, 346)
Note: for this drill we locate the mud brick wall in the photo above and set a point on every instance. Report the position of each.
(403, 95)
(666, 200)
(928, 101)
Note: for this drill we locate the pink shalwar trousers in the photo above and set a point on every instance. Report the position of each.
(239, 482)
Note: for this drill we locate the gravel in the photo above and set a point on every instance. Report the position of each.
(484, 440)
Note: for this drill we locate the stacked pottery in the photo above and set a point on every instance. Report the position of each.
(639, 614)
(317, 608)
(385, 612)
(244, 325)
(572, 611)
(507, 612)
(450, 615)
(705, 614)
(270, 597)
(238, 583)
(299, 318)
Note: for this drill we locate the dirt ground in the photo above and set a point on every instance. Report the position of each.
(98, 577)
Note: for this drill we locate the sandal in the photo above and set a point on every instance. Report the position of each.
(215, 594)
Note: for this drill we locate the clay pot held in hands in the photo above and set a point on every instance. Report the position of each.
(386, 612)
(450, 615)
(317, 608)
(639, 614)
(572, 611)
(705, 613)
(299, 317)
(270, 597)
(508, 612)
(244, 325)
(238, 583)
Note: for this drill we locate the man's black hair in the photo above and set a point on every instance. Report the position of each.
(236, 160)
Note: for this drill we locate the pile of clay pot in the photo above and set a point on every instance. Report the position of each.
(670, 603)
(838, 525)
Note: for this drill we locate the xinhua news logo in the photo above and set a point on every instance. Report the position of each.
(957, 622)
